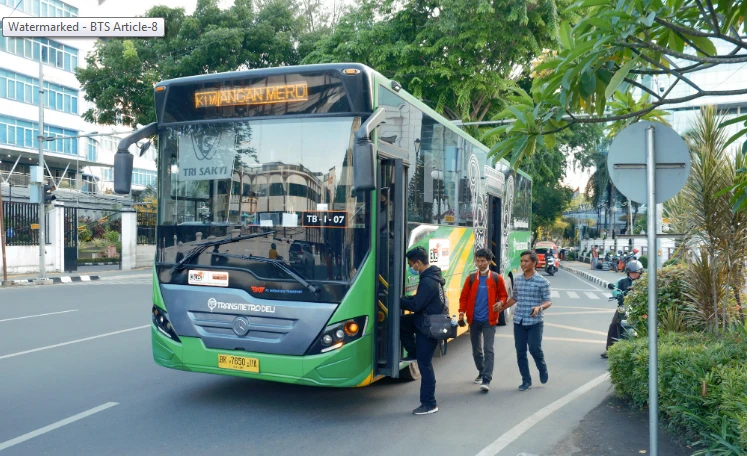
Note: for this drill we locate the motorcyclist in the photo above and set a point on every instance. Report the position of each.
(634, 268)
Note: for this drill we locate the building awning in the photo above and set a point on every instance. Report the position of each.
(53, 159)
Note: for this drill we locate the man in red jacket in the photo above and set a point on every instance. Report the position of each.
(483, 292)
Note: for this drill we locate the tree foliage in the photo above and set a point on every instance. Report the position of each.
(121, 73)
(609, 53)
(459, 57)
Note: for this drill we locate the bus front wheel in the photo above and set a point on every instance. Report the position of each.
(409, 373)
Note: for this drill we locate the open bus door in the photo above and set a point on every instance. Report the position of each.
(390, 261)
(495, 238)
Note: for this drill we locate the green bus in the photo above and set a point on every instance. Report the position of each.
(287, 198)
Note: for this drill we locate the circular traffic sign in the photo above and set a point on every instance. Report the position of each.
(627, 161)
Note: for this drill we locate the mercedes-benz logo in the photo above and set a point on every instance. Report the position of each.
(241, 326)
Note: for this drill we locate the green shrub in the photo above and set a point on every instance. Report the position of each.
(672, 262)
(112, 237)
(702, 378)
(644, 261)
(671, 299)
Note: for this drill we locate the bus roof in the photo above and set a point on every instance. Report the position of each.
(366, 70)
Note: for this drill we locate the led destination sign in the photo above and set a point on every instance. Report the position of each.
(251, 96)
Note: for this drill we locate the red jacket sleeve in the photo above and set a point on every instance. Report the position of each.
(464, 297)
(502, 292)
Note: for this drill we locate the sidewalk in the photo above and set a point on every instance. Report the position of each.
(614, 428)
(79, 276)
(599, 277)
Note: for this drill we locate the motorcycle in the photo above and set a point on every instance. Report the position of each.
(622, 315)
(606, 263)
(551, 264)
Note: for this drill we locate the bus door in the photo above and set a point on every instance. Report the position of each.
(390, 260)
(495, 230)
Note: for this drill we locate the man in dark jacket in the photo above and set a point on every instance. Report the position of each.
(426, 301)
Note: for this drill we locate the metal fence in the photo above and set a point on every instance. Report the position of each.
(146, 228)
(19, 218)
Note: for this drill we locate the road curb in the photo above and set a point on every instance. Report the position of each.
(54, 280)
(590, 277)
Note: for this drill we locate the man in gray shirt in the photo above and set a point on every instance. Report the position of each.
(531, 296)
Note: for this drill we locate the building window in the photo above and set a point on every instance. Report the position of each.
(42, 8)
(50, 52)
(143, 177)
(14, 86)
(21, 133)
(93, 152)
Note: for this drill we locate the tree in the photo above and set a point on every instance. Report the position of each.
(121, 73)
(457, 56)
(612, 52)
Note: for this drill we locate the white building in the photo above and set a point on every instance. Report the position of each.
(77, 165)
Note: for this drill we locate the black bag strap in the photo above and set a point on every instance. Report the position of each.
(474, 275)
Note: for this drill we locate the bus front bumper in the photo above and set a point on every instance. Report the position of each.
(348, 366)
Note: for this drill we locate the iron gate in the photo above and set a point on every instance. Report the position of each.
(71, 239)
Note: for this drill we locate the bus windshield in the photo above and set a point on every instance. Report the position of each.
(288, 178)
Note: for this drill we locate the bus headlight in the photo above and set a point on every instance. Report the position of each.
(163, 325)
(337, 335)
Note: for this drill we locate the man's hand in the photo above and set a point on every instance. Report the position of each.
(498, 306)
(536, 311)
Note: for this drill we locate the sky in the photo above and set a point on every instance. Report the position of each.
(131, 8)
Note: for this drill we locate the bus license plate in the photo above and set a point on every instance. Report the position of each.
(238, 363)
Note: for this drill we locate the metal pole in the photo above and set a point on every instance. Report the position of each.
(653, 368)
(42, 227)
(2, 238)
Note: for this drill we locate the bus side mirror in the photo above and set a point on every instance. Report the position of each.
(123, 172)
(363, 166)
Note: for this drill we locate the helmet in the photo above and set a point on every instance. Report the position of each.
(635, 250)
(634, 266)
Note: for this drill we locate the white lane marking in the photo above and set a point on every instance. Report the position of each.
(588, 312)
(554, 294)
(40, 315)
(73, 342)
(560, 339)
(563, 307)
(572, 289)
(514, 433)
(53, 426)
(574, 328)
(591, 295)
(573, 294)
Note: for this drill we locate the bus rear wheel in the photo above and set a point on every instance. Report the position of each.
(409, 373)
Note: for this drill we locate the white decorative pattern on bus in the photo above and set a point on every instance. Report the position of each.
(508, 209)
(479, 204)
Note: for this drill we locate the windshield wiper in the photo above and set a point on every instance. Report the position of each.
(280, 265)
(195, 252)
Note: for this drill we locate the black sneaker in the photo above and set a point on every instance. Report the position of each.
(525, 386)
(604, 355)
(544, 376)
(425, 410)
(485, 386)
(478, 380)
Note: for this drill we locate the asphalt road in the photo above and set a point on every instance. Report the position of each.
(77, 378)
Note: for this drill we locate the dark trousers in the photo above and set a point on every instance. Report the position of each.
(530, 336)
(480, 331)
(615, 332)
(424, 347)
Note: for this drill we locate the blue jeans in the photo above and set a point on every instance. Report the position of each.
(529, 336)
(424, 347)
